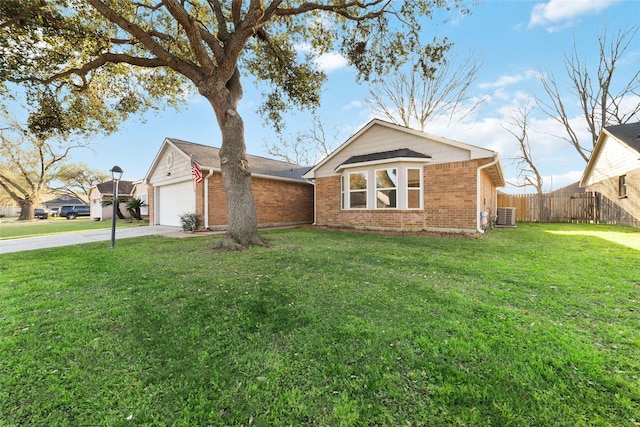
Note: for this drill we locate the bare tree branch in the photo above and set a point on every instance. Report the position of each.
(525, 163)
(594, 90)
(421, 96)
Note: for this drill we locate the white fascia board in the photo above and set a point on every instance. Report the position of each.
(279, 178)
(586, 174)
(383, 161)
(156, 159)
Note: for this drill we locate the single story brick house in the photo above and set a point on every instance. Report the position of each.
(126, 190)
(614, 167)
(282, 196)
(388, 176)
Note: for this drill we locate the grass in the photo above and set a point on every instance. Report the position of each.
(531, 326)
(16, 230)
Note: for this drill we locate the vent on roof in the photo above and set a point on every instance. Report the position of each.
(506, 217)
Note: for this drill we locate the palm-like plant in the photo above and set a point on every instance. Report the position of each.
(109, 202)
(134, 206)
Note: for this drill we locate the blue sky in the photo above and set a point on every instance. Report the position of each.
(516, 39)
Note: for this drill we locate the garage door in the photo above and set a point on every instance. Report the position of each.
(173, 201)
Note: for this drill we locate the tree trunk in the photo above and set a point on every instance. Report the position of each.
(26, 210)
(242, 220)
(119, 213)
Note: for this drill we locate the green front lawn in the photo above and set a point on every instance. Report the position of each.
(534, 326)
(38, 227)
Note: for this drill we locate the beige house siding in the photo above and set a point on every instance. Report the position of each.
(609, 187)
(613, 159)
(381, 138)
(172, 166)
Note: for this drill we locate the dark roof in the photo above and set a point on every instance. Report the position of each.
(628, 133)
(571, 188)
(64, 200)
(209, 157)
(394, 154)
(124, 187)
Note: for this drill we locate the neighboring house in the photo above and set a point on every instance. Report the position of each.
(57, 203)
(104, 191)
(573, 188)
(388, 176)
(282, 196)
(614, 167)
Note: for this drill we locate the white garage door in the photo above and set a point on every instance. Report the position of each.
(173, 201)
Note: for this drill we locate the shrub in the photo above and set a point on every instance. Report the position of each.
(189, 221)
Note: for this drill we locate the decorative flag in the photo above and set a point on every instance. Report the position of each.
(195, 171)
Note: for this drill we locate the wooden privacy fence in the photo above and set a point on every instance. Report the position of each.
(588, 207)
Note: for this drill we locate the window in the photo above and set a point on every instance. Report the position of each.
(398, 185)
(386, 188)
(414, 188)
(622, 186)
(144, 210)
(358, 190)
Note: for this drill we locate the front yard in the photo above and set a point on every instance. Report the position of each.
(538, 325)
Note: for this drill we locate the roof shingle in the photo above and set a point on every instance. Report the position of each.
(209, 157)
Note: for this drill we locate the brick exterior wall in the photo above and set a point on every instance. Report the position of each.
(277, 202)
(450, 198)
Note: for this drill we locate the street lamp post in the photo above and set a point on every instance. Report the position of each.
(116, 174)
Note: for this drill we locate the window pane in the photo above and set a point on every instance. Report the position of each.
(413, 178)
(387, 178)
(413, 199)
(358, 199)
(358, 181)
(386, 198)
(622, 186)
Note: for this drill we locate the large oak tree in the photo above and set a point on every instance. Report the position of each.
(133, 54)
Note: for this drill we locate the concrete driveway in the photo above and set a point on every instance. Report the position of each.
(57, 240)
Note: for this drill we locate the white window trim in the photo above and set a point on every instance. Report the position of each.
(622, 186)
(365, 191)
(420, 189)
(375, 199)
(402, 186)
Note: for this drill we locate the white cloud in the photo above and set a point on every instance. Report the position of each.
(509, 80)
(331, 61)
(326, 62)
(353, 105)
(556, 14)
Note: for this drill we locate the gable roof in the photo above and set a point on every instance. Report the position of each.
(64, 200)
(208, 157)
(568, 189)
(475, 152)
(627, 134)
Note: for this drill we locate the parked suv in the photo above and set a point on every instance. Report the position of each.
(40, 213)
(72, 212)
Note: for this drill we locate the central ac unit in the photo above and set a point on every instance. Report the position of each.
(506, 217)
